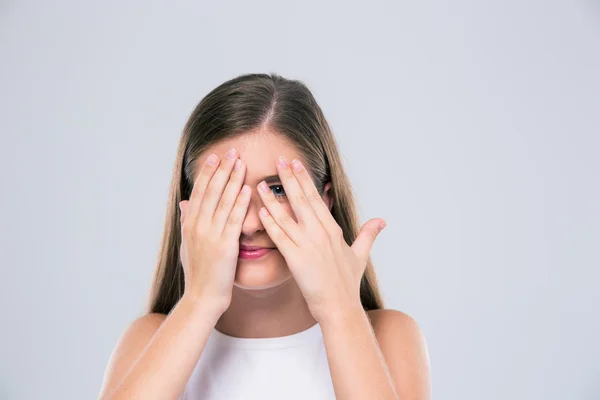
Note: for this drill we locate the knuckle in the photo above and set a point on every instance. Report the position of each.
(235, 218)
(225, 203)
(300, 199)
(286, 219)
(197, 191)
(212, 191)
(315, 198)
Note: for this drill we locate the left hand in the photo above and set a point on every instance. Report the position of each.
(327, 270)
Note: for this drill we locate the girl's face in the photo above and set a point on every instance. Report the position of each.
(260, 151)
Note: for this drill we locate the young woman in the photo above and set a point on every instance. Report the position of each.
(264, 287)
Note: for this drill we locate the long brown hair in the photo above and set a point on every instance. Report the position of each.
(234, 108)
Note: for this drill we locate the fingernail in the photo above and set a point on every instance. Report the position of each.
(212, 159)
(382, 225)
(297, 165)
(263, 187)
(231, 153)
(238, 164)
(282, 162)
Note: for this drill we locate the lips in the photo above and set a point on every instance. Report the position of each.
(253, 248)
(253, 252)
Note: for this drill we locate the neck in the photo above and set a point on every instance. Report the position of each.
(273, 312)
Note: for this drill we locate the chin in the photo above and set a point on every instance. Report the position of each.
(257, 275)
(253, 280)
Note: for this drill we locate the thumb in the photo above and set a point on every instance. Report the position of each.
(367, 235)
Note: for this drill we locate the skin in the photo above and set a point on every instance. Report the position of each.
(379, 352)
(266, 301)
(389, 350)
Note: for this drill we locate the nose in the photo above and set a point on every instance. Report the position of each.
(252, 224)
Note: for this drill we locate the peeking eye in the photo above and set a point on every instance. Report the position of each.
(278, 190)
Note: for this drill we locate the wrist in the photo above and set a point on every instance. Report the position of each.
(205, 305)
(347, 321)
(340, 314)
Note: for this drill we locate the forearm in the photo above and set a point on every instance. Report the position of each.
(165, 366)
(357, 367)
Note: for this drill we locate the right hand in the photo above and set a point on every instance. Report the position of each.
(211, 224)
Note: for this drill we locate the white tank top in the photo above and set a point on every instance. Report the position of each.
(288, 367)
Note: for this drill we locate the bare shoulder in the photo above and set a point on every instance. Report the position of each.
(404, 348)
(137, 335)
(128, 348)
(389, 321)
(144, 327)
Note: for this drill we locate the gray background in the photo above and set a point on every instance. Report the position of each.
(472, 127)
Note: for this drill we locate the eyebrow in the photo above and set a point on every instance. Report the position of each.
(271, 179)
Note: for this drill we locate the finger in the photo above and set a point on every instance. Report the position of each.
(215, 188)
(314, 198)
(229, 197)
(296, 196)
(183, 206)
(204, 176)
(366, 237)
(233, 228)
(283, 242)
(281, 216)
